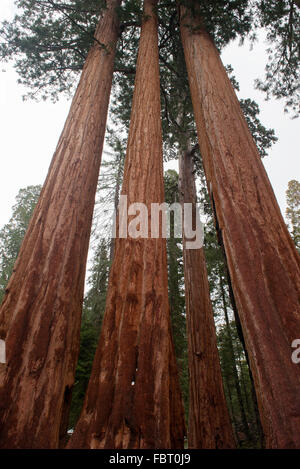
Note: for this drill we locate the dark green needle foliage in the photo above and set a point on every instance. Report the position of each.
(281, 19)
(48, 40)
(12, 234)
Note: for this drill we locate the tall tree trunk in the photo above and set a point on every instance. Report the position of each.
(133, 398)
(263, 263)
(41, 312)
(209, 421)
(233, 363)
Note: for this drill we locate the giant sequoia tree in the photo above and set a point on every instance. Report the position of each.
(209, 421)
(133, 398)
(41, 311)
(263, 262)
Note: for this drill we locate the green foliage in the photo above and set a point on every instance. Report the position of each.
(94, 302)
(293, 210)
(223, 19)
(12, 234)
(281, 19)
(49, 41)
(228, 341)
(88, 345)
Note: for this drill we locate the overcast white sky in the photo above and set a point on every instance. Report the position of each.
(29, 131)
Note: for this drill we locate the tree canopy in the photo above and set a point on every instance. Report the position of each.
(49, 40)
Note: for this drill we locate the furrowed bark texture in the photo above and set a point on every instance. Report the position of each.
(263, 262)
(133, 398)
(209, 421)
(41, 313)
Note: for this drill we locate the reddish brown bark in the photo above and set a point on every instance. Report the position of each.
(263, 263)
(133, 398)
(41, 312)
(209, 421)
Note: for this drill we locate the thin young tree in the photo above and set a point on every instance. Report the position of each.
(209, 421)
(263, 262)
(133, 398)
(293, 210)
(41, 312)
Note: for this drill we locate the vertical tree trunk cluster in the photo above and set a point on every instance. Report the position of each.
(133, 399)
(209, 421)
(263, 263)
(41, 312)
